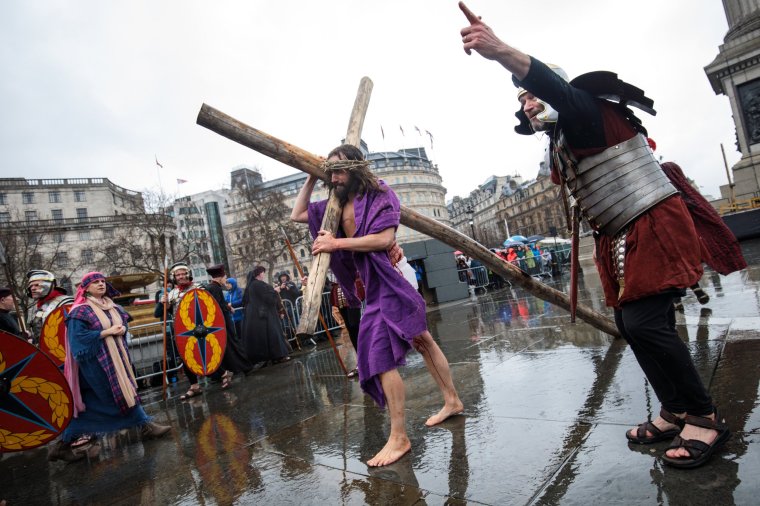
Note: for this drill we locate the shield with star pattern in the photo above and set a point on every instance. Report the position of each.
(53, 334)
(200, 331)
(35, 400)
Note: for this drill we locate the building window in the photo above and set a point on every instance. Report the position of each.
(57, 215)
(84, 235)
(31, 215)
(3, 199)
(54, 197)
(27, 198)
(5, 217)
(59, 236)
(87, 256)
(79, 196)
(107, 233)
(303, 255)
(66, 284)
(61, 259)
(81, 213)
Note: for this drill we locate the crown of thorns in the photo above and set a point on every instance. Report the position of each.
(344, 165)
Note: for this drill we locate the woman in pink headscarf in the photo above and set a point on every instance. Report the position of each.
(99, 370)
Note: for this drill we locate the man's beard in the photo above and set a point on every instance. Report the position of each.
(539, 126)
(343, 191)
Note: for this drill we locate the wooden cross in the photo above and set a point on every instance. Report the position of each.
(300, 159)
(318, 272)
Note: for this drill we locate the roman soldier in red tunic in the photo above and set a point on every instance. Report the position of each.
(648, 248)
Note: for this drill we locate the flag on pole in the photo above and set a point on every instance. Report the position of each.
(418, 130)
(180, 181)
(431, 138)
(158, 163)
(382, 132)
(402, 131)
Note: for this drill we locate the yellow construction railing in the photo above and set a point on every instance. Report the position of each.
(740, 205)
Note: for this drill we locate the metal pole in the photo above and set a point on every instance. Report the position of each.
(731, 195)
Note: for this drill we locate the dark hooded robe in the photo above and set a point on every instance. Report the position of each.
(262, 333)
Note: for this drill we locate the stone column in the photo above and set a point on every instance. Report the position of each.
(735, 72)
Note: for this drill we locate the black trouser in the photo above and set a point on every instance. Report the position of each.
(351, 317)
(649, 326)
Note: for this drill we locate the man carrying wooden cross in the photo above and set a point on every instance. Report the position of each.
(394, 319)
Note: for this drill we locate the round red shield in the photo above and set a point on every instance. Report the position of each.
(53, 335)
(35, 400)
(200, 332)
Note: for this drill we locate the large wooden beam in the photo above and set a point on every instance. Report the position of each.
(300, 159)
(312, 301)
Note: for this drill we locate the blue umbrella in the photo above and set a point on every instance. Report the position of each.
(535, 238)
(520, 238)
(509, 243)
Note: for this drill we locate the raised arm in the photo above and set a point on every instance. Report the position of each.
(480, 37)
(300, 213)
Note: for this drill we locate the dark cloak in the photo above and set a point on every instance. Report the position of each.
(262, 333)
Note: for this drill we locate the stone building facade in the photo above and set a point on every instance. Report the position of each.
(69, 222)
(533, 208)
(476, 215)
(504, 206)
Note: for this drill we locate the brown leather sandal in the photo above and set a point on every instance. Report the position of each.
(699, 451)
(657, 435)
(191, 392)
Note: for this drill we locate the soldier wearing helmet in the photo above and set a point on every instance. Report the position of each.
(42, 287)
(647, 247)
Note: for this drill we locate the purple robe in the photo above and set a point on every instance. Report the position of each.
(395, 311)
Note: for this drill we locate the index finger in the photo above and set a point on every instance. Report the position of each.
(471, 17)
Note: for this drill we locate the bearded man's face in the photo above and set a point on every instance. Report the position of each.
(343, 183)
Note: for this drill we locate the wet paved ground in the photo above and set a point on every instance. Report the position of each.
(547, 404)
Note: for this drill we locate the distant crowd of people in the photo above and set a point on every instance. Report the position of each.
(531, 258)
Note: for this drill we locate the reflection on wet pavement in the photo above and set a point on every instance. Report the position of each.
(547, 405)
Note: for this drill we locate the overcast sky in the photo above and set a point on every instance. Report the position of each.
(98, 89)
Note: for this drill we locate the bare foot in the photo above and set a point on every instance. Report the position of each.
(448, 410)
(707, 436)
(658, 422)
(394, 449)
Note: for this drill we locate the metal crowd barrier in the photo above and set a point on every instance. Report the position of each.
(146, 349)
(146, 341)
(325, 309)
(477, 277)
